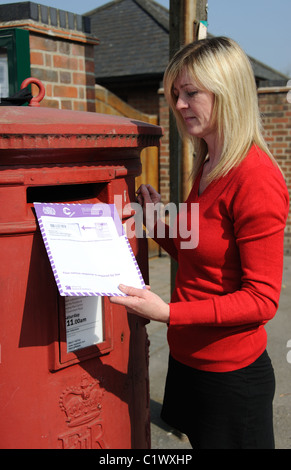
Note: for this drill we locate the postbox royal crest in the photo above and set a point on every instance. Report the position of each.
(82, 404)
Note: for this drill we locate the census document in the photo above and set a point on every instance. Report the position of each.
(89, 252)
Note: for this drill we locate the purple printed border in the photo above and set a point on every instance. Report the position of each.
(83, 210)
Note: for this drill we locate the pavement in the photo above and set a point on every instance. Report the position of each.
(279, 349)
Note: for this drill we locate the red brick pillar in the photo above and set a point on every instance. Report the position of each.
(66, 69)
(61, 54)
(164, 149)
(276, 118)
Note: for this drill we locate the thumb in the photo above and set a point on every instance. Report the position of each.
(129, 290)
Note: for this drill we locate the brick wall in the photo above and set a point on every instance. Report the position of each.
(66, 68)
(61, 53)
(276, 116)
(164, 169)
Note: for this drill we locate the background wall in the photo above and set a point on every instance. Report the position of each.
(276, 117)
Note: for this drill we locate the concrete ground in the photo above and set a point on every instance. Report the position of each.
(279, 334)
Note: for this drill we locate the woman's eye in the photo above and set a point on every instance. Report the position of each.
(192, 93)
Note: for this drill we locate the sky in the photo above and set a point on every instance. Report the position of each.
(261, 27)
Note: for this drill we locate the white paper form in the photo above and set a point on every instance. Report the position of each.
(84, 322)
(88, 250)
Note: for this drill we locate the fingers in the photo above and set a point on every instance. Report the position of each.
(133, 296)
(143, 194)
(132, 291)
(144, 303)
(147, 194)
(153, 193)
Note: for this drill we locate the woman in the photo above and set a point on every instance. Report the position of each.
(220, 382)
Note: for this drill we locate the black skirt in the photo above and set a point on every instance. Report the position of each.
(229, 410)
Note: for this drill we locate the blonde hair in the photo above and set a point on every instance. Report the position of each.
(220, 66)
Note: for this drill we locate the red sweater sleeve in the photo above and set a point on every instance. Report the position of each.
(258, 209)
(163, 236)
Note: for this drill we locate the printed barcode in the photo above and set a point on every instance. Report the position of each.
(58, 226)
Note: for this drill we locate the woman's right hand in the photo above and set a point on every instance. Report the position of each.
(148, 197)
(147, 194)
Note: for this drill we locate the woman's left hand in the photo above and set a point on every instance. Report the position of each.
(144, 303)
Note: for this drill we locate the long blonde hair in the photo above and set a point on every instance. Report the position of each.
(220, 66)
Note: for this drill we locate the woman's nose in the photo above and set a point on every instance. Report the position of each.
(181, 103)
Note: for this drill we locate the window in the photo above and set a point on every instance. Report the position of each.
(14, 60)
(4, 83)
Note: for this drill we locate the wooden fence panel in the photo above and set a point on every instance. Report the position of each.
(108, 103)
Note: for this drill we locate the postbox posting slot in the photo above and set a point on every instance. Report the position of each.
(95, 192)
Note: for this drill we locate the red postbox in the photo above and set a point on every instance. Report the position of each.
(97, 396)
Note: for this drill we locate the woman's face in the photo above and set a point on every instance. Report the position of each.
(195, 106)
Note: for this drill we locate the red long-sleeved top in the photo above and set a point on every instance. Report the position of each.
(228, 287)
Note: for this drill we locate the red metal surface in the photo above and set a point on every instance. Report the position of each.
(30, 128)
(97, 397)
